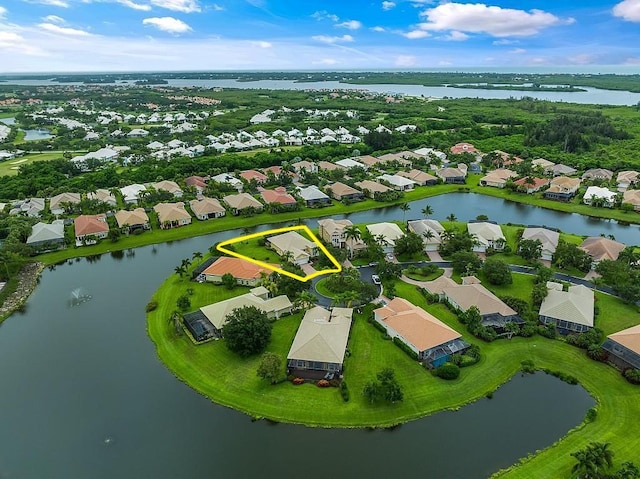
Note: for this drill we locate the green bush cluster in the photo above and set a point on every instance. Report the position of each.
(402, 345)
(344, 391)
(527, 366)
(448, 371)
(567, 378)
(632, 375)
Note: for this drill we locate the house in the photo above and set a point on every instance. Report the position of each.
(89, 228)
(304, 165)
(430, 230)
(562, 188)
(497, 178)
(506, 159)
(131, 193)
(388, 234)
(632, 197)
(431, 153)
(370, 161)
(438, 285)
(530, 184)
(598, 174)
(320, 343)
(332, 231)
(542, 163)
(433, 341)
(312, 196)
(170, 186)
(244, 272)
(137, 133)
(626, 178)
(351, 163)
(494, 312)
(396, 158)
(328, 166)
(133, 220)
(172, 215)
(398, 183)
(419, 177)
(370, 188)
(229, 179)
(301, 249)
(57, 203)
(207, 208)
(249, 175)
(242, 201)
(624, 348)
(340, 192)
(103, 195)
(274, 308)
(548, 239)
(198, 182)
(32, 207)
(598, 196)
(569, 311)
(279, 196)
(560, 170)
(44, 234)
(453, 175)
(489, 235)
(463, 147)
(600, 248)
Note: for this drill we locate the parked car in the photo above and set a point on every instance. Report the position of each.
(375, 278)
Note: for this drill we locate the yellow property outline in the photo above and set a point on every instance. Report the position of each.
(338, 267)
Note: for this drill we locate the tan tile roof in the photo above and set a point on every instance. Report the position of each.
(206, 206)
(629, 338)
(415, 325)
(469, 295)
(340, 189)
(325, 165)
(166, 185)
(238, 268)
(171, 212)
(372, 186)
(575, 305)
(632, 197)
(90, 224)
(241, 201)
(600, 248)
(132, 218)
(417, 175)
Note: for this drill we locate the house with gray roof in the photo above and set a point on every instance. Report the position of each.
(548, 239)
(623, 348)
(312, 196)
(321, 342)
(43, 234)
(569, 311)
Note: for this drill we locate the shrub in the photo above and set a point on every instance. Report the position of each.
(527, 366)
(344, 391)
(528, 330)
(567, 378)
(596, 353)
(323, 383)
(151, 306)
(592, 414)
(298, 381)
(547, 331)
(447, 371)
(632, 375)
(402, 345)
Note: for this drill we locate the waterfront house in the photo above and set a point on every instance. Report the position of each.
(312, 196)
(453, 175)
(398, 183)
(89, 228)
(387, 232)
(429, 230)
(569, 311)
(632, 197)
(433, 341)
(340, 191)
(245, 272)
(489, 235)
(301, 249)
(133, 220)
(596, 195)
(207, 208)
(44, 234)
(562, 188)
(419, 177)
(600, 248)
(623, 348)
(172, 215)
(548, 239)
(370, 188)
(497, 178)
(531, 184)
(320, 343)
(242, 201)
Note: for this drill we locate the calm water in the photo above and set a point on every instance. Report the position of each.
(8, 121)
(73, 377)
(591, 96)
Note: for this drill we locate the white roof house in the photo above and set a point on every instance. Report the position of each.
(569, 311)
(228, 178)
(399, 183)
(300, 248)
(131, 193)
(430, 230)
(42, 233)
(351, 163)
(217, 313)
(390, 231)
(606, 196)
(548, 238)
(489, 235)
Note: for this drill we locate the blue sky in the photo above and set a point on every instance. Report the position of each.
(125, 35)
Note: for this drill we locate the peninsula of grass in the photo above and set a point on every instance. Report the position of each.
(321, 288)
(418, 276)
(230, 380)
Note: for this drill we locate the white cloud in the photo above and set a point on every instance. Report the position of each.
(456, 36)
(350, 24)
(628, 10)
(53, 3)
(325, 61)
(57, 29)
(582, 59)
(505, 41)
(414, 34)
(134, 5)
(185, 6)
(3, 12)
(167, 24)
(388, 5)
(261, 44)
(9, 38)
(217, 8)
(492, 20)
(632, 61)
(54, 19)
(405, 61)
(378, 29)
(324, 15)
(517, 51)
(330, 39)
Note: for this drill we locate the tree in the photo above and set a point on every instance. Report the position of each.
(452, 217)
(270, 367)
(530, 250)
(385, 387)
(404, 207)
(465, 262)
(410, 244)
(228, 281)
(247, 331)
(197, 255)
(183, 302)
(305, 300)
(427, 211)
(351, 235)
(497, 272)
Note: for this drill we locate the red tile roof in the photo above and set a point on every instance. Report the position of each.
(273, 196)
(91, 224)
(238, 268)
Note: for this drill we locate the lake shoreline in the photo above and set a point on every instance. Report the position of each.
(27, 280)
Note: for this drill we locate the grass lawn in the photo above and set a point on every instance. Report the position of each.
(229, 380)
(251, 249)
(11, 167)
(322, 288)
(422, 277)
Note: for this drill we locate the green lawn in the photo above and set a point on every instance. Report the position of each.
(229, 380)
(11, 167)
(251, 249)
(421, 277)
(322, 288)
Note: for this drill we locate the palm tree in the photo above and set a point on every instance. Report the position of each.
(601, 454)
(404, 207)
(180, 270)
(305, 300)
(427, 211)
(349, 297)
(352, 234)
(197, 255)
(428, 235)
(452, 217)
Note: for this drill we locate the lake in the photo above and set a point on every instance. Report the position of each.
(84, 395)
(37, 134)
